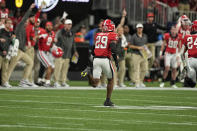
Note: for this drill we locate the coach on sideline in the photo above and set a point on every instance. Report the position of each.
(65, 38)
(140, 66)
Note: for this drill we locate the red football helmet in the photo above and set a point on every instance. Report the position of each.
(57, 52)
(194, 25)
(108, 25)
(185, 20)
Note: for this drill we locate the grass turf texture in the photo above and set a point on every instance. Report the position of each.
(82, 110)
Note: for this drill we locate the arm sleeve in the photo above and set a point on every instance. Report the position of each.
(113, 48)
(37, 16)
(28, 33)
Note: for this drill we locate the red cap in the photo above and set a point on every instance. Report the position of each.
(49, 23)
(150, 15)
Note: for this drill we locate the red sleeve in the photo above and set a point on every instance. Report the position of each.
(37, 16)
(28, 32)
(166, 36)
(113, 36)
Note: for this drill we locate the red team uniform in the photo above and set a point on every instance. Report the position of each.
(172, 44)
(190, 42)
(45, 43)
(4, 13)
(102, 44)
(103, 54)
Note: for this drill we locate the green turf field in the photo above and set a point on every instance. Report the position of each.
(82, 110)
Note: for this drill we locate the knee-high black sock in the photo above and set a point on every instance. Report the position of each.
(42, 70)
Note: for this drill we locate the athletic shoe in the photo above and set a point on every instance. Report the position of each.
(25, 83)
(102, 86)
(115, 86)
(137, 86)
(57, 85)
(174, 86)
(162, 85)
(65, 85)
(6, 85)
(109, 103)
(33, 85)
(122, 85)
(86, 71)
(142, 85)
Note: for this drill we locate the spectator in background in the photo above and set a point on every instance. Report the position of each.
(150, 29)
(184, 5)
(58, 23)
(16, 18)
(121, 45)
(80, 36)
(193, 5)
(21, 55)
(5, 41)
(128, 59)
(4, 12)
(65, 40)
(44, 19)
(31, 39)
(139, 40)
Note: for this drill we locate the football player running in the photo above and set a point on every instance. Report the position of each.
(190, 42)
(172, 41)
(105, 49)
(45, 46)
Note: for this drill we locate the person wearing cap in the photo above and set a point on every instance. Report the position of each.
(65, 40)
(150, 29)
(138, 42)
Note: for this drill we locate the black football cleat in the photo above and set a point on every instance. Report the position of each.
(109, 103)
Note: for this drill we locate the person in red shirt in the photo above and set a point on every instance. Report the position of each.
(172, 41)
(31, 38)
(105, 48)
(190, 42)
(4, 12)
(45, 44)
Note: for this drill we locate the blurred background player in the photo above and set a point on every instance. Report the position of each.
(45, 44)
(172, 42)
(105, 48)
(191, 56)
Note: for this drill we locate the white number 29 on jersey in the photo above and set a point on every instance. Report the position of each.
(101, 42)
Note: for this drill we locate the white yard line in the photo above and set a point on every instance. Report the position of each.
(120, 121)
(99, 111)
(131, 100)
(50, 128)
(75, 97)
(90, 88)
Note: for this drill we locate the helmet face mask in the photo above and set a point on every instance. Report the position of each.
(108, 25)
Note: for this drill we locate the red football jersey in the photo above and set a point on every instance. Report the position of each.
(172, 43)
(184, 32)
(4, 13)
(45, 40)
(190, 42)
(102, 43)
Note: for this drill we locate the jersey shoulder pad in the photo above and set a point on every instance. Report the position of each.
(113, 36)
